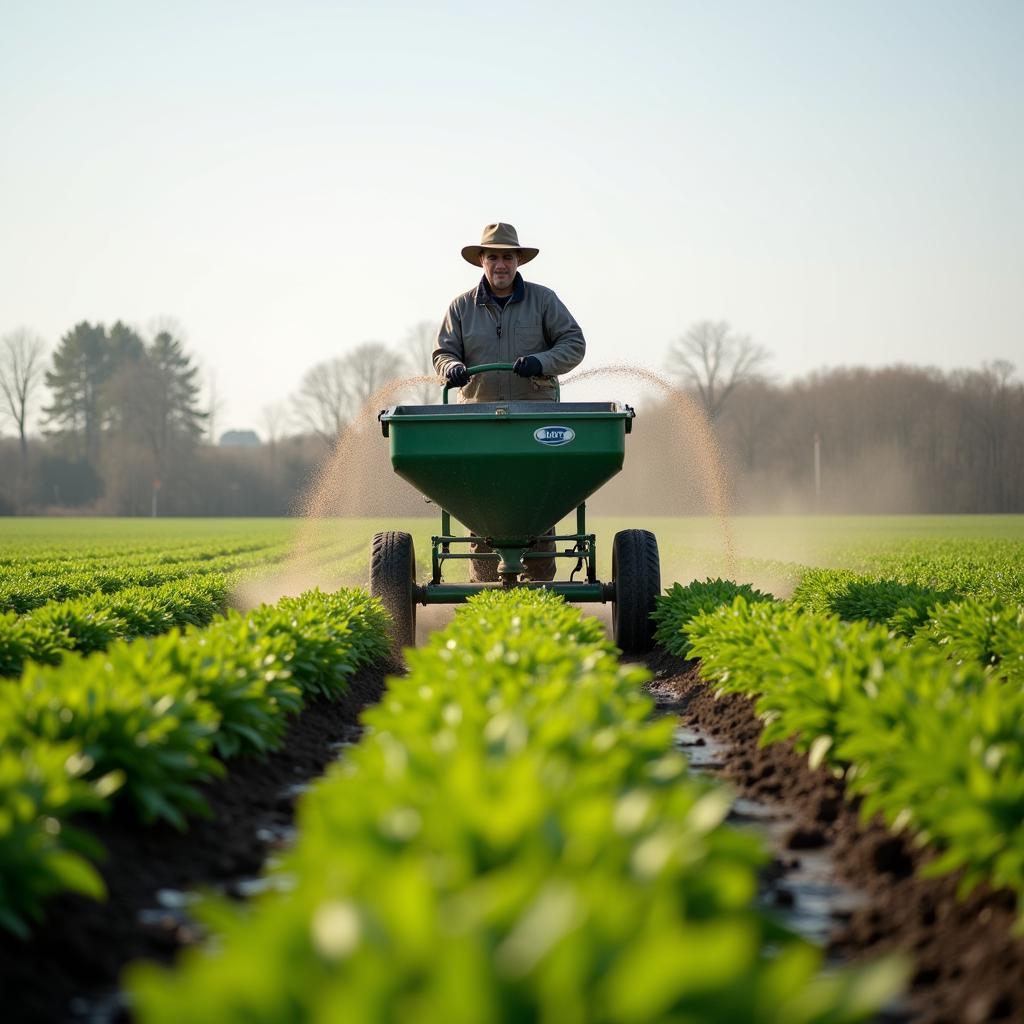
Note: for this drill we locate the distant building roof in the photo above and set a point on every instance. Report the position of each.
(240, 439)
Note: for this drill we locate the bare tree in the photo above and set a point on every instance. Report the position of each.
(986, 396)
(334, 391)
(368, 367)
(21, 371)
(418, 347)
(709, 358)
(324, 401)
(1001, 372)
(745, 425)
(275, 418)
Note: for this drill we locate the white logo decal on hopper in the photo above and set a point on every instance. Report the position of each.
(554, 436)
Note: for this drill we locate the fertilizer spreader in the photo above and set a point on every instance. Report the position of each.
(508, 472)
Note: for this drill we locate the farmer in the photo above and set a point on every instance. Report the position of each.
(504, 319)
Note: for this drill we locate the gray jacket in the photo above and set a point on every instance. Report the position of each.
(534, 322)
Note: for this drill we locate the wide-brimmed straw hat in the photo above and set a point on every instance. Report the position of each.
(498, 236)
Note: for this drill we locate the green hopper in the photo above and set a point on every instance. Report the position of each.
(508, 472)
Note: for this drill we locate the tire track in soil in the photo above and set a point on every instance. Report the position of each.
(69, 970)
(968, 966)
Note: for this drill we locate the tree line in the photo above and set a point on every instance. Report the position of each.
(126, 430)
(893, 439)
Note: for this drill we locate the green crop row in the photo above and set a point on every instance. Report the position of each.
(23, 592)
(932, 745)
(980, 567)
(93, 623)
(513, 839)
(900, 605)
(36, 584)
(93, 538)
(146, 722)
(57, 563)
(251, 553)
(987, 629)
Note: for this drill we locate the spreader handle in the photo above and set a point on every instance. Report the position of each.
(484, 367)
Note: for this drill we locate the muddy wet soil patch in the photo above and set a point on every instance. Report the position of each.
(968, 966)
(79, 952)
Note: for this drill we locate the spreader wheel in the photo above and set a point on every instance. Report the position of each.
(393, 580)
(636, 574)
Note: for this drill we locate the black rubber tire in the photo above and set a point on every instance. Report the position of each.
(393, 580)
(636, 575)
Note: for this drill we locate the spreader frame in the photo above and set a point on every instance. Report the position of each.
(467, 459)
(511, 550)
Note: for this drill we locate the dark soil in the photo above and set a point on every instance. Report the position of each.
(79, 952)
(968, 966)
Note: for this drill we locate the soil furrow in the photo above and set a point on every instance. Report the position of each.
(968, 965)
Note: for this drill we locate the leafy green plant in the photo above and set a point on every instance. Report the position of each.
(989, 631)
(679, 604)
(41, 789)
(244, 674)
(130, 713)
(22, 641)
(334, 635)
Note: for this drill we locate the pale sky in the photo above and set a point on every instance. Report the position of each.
(841, 180)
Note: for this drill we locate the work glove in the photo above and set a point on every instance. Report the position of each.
(457, 376)
(527, 366)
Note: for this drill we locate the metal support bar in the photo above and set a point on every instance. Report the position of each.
(515, 552)
(543, 537)
(446, 529)
(443, 543)
(456, 593)
(493, 555)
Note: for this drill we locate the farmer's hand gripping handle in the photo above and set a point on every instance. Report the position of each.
(483, 368)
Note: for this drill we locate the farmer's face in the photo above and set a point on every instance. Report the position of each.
(500, 270)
